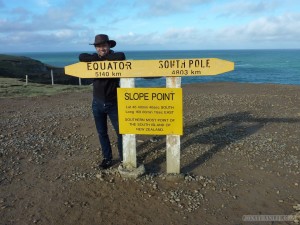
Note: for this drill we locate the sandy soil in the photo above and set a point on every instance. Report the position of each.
(239, 156)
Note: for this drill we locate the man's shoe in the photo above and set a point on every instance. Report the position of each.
(105, 164)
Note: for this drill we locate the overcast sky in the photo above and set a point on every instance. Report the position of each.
(70, 25)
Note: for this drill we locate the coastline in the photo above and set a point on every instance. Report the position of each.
(251, 66)
(239, 153)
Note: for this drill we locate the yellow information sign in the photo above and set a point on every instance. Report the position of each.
(150, 68)
(156, 111)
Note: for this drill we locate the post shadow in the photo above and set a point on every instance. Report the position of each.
(155, 165)
(230, 128)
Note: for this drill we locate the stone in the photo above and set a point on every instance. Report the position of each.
(175, 177)
(130, 172)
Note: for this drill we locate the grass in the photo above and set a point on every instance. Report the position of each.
(13, 87)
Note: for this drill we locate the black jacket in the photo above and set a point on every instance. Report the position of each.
(105, 89)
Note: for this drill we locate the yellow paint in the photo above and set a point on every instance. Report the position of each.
(150, 68)
(156, 111)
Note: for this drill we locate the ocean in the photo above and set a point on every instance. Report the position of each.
(251, 66)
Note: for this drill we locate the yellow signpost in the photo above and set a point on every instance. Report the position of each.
(150, 68)
(156, 111)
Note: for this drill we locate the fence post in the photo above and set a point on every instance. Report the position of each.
(173, 141)
(26, 79)
(52, 79)
(129, 140)
(79, 79)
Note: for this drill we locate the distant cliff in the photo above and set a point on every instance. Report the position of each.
(38, 72)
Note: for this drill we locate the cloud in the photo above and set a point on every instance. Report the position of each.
(73, 24)
(243, 8)
(132, 38)
(8, 26)
(43, 3)
(182, 35)
(27, 38)
(172, 38)
(64, 34)
(45, 29)
(61, 40)
(166, 7)
(282, 28)
(265, 32)
(53, 20)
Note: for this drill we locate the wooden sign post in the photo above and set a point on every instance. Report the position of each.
(127, 70)
(129, 140)
(173, 141)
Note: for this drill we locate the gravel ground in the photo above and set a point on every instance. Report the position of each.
(239, 156)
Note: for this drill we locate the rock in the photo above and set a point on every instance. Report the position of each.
(297, 207)
(111, 180)
(175, 177)
(130, 172)
(99, 175)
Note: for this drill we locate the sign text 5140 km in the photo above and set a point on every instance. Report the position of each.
(150, 68)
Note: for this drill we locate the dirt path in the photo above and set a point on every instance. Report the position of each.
(239, 153)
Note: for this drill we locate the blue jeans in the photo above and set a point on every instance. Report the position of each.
(100, 111)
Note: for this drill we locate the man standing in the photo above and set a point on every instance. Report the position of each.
(105, 97)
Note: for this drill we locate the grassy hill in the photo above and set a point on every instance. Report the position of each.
(38, 72)
(14, 87)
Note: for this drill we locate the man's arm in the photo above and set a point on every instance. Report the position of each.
(85, 57)
(116, 56)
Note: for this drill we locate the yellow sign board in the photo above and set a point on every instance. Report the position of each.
(156, 111)
(150, 68)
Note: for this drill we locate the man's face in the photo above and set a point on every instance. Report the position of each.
(102, 49)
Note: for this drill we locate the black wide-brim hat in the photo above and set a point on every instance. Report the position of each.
(103, 38)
